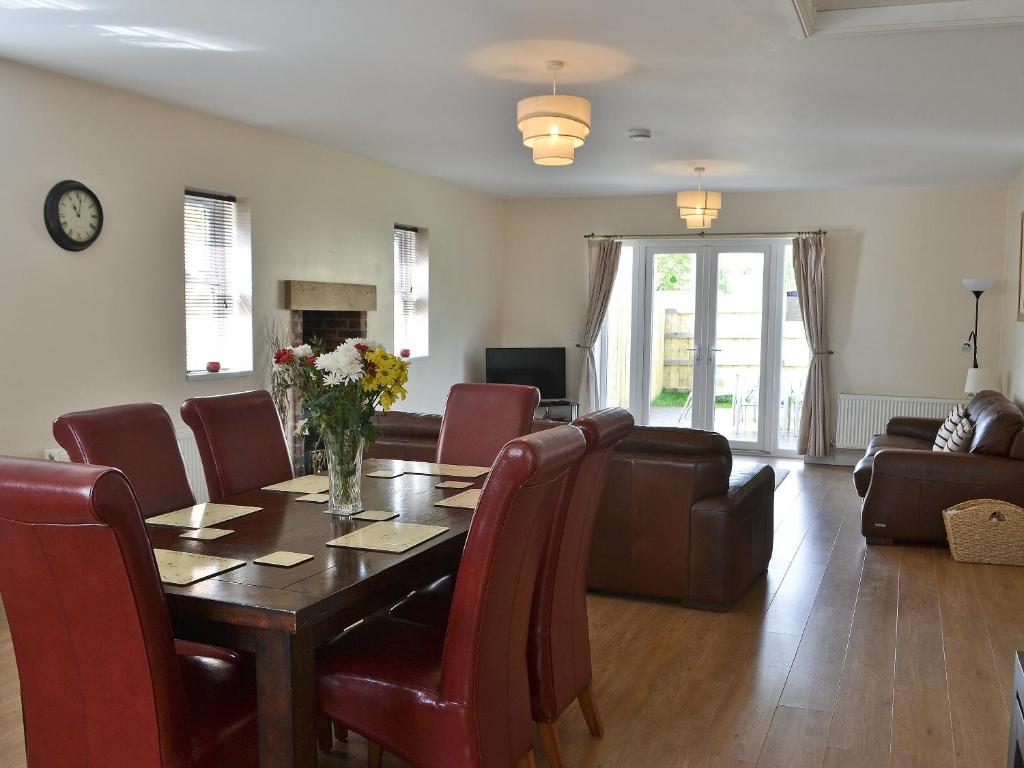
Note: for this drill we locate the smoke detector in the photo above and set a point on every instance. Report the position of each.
(639, 134)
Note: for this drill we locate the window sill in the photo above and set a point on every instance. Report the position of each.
(207, 376)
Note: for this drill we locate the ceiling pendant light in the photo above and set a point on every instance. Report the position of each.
(555, 124)
(699, 207)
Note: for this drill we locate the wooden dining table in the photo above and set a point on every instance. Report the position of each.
(282, 615)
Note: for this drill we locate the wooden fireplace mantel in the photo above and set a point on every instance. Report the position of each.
(337, 297)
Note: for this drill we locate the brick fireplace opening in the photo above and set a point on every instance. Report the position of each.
(332, 313)
(331, 327)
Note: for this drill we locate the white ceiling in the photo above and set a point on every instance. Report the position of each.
(432, 86)
(838, 5)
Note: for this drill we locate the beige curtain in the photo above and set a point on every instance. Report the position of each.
(809, 266)
(603, 256)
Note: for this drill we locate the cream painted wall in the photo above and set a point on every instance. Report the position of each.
(897, 310)
(1013, 337)
(106, 326)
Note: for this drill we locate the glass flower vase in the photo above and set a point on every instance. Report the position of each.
(344, 449)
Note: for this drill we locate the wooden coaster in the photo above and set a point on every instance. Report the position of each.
(205, 534)
(283, 559)
(304, 484)
(375, 515)
(454, 484)
(386, 474)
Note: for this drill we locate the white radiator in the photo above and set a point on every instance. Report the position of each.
(193, 464)
(861, 417)
(189, 454)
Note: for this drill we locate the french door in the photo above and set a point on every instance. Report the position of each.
(704, 346)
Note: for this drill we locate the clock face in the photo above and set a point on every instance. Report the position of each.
(79, 215)
(73, 215)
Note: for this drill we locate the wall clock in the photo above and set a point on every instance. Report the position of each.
(73, 215)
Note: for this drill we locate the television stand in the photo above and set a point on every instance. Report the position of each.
(557, 410)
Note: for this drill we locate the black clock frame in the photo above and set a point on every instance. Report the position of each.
(51, 215)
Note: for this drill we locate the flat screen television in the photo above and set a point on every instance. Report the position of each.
(540, 367)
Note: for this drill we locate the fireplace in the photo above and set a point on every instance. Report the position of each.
(332, 313)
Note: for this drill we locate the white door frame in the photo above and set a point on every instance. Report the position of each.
(707, 252)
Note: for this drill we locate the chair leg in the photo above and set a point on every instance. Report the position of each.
(374, 755)
(526, 761)
(590, 713)
(340, 732)
(552, 746)
(324, 737)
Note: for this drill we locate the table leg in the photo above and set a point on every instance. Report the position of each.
(286, 700)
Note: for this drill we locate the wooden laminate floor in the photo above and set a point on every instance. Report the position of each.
(844, 656)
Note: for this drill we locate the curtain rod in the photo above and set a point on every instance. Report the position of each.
(683, 235)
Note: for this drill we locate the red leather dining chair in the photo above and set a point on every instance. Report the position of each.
(459, 696)
(240, 441)
(101, 683)
(480, 418)
(137, 439)
(559, 649)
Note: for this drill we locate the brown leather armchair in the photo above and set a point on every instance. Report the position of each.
(906, 485)
(673, 521)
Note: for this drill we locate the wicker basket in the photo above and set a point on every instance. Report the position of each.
(986, 531)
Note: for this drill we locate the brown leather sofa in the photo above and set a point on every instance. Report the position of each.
(675, 521)
(906, 485)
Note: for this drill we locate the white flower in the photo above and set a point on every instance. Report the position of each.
(342, 365)
(302, 351)
(360, 340)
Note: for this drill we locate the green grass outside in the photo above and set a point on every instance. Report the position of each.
(676, 398)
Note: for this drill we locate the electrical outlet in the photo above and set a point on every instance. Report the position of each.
(575, 334)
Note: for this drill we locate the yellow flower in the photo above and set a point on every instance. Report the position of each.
(386, 375)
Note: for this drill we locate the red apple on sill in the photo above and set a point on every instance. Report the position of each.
(213, 367)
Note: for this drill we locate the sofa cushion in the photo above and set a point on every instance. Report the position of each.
(862, 472)
(996, 423)
(948, 428)
(960, 440)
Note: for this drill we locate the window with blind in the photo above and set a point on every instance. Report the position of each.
(411, 284)
(218, 285)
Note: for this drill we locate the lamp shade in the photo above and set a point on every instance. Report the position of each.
(553, 115)
(699, 202)
(979, 379)
(973, 284)
(554, 150)
(695, 221)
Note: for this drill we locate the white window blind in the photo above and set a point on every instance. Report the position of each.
(411, 281)
(218, 285)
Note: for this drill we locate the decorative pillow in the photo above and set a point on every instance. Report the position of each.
(960, 440)
(956, 415)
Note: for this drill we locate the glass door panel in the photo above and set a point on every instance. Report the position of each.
(673, 339)
(736, 345)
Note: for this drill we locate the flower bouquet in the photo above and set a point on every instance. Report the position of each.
(340, 391)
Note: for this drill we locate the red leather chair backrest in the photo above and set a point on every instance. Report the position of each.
(480, 418)
(137, 439)
(484, 664)
(100, 683)
(240, 441)
(559, 648)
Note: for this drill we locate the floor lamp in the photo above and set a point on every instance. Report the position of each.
(979, 378)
